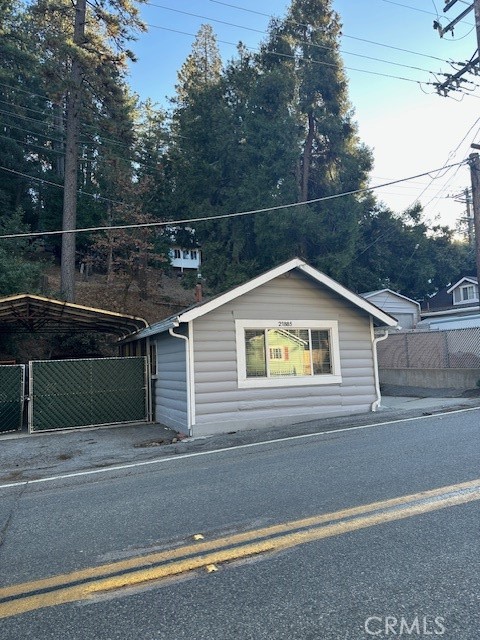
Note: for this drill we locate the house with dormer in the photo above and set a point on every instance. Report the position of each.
(453, 307)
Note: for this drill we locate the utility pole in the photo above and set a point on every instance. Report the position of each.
(466, 230)
(74, 102)
(474, 162)
(454, 81)
(476, 6)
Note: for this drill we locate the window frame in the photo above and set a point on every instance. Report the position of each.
(466, 289)
(335, 377)
(461, 294)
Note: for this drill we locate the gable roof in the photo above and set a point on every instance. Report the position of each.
(370, 294)
(381, 318)
(38, 313)
(469, 279)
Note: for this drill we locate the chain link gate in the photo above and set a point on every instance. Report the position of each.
(65, 394)
(12, 396)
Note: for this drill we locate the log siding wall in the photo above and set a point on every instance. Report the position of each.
(170, 391)
(221, 406)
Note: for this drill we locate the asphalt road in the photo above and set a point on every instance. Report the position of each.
(416, 572)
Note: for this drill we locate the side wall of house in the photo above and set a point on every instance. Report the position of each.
(220, 405)
(407, 313)
(170, 384)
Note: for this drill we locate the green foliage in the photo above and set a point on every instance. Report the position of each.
(403, 254)
(17, 273)
(70, 344)
(273, 128)
(265, 130)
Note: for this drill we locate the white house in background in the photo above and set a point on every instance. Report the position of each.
(185, 259)
(455, 307)
(464, 292)
(288, 346)
(404, 309)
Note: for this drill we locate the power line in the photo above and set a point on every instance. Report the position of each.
(320, 46)
(406, 6)
(293, 205)
(60, 186)
(344, 35)
(291, 57)
(35, 146)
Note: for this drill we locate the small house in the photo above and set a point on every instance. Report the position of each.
(405, 310)
(453, 307)
(185, 259)
(288, 346)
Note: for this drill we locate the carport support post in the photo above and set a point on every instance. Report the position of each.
(474, 162)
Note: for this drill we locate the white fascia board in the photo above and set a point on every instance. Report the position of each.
(355, 299)
(220, 300)
(457, 284)
(369, 294)
(296, 263)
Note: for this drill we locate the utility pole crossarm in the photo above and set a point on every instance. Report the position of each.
(453, 80)
(449, 5)
(443, 30)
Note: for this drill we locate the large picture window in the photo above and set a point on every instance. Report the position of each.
(282, 353)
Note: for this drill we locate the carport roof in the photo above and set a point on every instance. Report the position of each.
(37, 313)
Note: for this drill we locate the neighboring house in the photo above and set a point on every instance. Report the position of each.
(288, 346)
(453, 307)
(183, 259)
(404, 309)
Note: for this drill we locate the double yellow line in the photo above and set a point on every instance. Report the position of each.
(86, 583)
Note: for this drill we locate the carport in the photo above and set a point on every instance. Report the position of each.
(37, 313)
(70, 393)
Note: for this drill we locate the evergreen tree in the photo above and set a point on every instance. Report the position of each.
(403, 254)
(274, 128)
(86, 58)
(331, 158)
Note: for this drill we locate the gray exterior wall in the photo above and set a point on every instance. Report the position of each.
(220, 406)
(170, 383)
(407, 313)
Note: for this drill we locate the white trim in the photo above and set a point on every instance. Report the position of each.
(375, 341)
(188, 376)
(191, 365)
(358, 301)
(288, 381)
(296, 263)
(466, 278)
(462, 301)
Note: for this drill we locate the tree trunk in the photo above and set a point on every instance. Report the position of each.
(307, 158)
(74, 100)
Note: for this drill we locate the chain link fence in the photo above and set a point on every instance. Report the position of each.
(452, 349)
(75, 393)
(11, 396)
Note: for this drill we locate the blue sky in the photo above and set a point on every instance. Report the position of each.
(410, 128)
